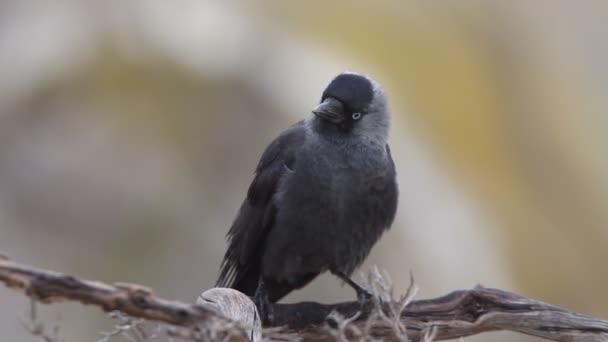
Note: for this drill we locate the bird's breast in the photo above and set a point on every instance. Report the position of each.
(339, 181)
(328, 208)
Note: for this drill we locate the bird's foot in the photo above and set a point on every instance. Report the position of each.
(265, 311)
(363, 296)
(263, 304)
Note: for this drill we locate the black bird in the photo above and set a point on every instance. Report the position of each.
(324, 192)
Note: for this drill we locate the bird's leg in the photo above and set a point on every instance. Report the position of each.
(263, 303)
(362, 294)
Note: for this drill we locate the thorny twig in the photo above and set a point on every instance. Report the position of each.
(344, 326)
(37, 328)
(140, 330)
(127, 327)
(386, 308)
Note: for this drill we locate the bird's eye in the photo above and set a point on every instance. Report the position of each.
(356, 116)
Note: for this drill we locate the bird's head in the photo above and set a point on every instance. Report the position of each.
(353, 104)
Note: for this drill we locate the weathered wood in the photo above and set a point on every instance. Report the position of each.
(458, 314)
(235, 306)
(134, 300)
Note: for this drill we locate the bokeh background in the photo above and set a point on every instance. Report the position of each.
(129, 131)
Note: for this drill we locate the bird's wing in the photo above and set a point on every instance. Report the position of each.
(240, 268)
(391, 193)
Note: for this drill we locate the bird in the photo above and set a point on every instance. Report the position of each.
(323, 193)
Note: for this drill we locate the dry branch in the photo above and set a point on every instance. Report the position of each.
(458, 314)
(134, 300)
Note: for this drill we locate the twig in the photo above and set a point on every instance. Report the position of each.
(37, 328)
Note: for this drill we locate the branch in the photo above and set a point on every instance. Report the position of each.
(134, 300)
(458, 314)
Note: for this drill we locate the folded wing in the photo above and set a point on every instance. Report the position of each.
(241, 267)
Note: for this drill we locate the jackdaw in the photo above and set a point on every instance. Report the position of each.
(324, 191)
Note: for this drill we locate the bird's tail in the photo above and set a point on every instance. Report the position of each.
(239, 278)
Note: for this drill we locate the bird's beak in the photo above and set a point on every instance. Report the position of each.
(331, 110)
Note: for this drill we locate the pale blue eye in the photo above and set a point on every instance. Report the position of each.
(356, 116)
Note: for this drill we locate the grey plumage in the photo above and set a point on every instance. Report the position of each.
(324, 192)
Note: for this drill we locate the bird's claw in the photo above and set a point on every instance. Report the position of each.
(263, 304)
(363, 296)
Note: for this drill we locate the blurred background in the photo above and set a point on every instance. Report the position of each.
(129, 131)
